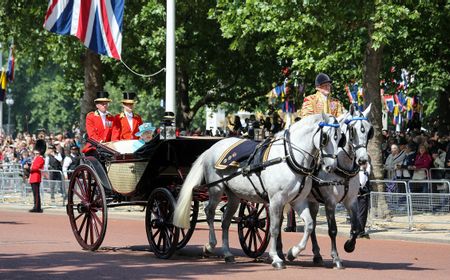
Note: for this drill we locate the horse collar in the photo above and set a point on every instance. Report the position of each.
(290, 158)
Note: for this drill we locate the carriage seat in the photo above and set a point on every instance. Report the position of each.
(242, 153)
(123, 146)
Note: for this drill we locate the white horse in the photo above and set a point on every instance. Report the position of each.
(342, 185)
(298, 150)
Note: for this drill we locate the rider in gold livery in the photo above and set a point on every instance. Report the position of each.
(321, 101)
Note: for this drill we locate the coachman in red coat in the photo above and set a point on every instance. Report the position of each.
(126, 124)
(99, 123)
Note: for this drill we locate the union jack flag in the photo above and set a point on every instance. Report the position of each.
(97, 23)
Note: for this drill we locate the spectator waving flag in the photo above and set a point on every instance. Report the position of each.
(97, 23)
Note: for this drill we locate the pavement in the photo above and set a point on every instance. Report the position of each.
(434, 229)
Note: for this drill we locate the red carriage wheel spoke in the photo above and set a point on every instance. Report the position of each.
(253, 228)
(83, 223)
(88, 213)
(162, 236)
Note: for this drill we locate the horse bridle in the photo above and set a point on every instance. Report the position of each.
(324, 138)
(292, 162)
(369, 135)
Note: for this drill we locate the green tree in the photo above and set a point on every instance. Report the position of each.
(351, 40)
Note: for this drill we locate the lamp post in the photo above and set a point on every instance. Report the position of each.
(9, 102)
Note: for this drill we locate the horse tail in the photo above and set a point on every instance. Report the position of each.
(194, 179)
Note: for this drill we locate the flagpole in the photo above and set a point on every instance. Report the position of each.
(168, 124)
(170, 58)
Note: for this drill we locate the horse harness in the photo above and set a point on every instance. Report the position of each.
(340, 171)
(256, 166)
(290, 160)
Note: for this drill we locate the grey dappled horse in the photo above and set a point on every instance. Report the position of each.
(344, 188)
(299, 147)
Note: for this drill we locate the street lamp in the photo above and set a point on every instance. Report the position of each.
(9, 102)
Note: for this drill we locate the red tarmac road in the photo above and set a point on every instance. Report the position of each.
(42, 246)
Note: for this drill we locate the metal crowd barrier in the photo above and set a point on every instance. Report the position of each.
(53, 186)
(443, 171)
(391, 204)
(12, 184)
(406, 206)
(15, 188)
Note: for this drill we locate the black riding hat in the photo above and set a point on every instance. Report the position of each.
(322, 79)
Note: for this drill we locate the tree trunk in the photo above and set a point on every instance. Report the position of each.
(93, 82)
(371, 81)
(185, 116)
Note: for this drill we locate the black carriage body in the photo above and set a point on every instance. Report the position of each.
(161, 163)
(170, 163)
(150, 177)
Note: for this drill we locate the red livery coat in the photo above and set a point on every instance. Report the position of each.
(35, 170)
(95, 129)
(121, 128)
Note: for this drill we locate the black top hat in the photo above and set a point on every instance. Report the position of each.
(128, 97)
(322, 79)
(102, 96)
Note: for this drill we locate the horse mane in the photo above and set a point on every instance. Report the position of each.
(306, 120)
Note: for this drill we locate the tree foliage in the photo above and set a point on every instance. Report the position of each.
(229, 52)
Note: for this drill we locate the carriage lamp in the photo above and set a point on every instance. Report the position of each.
(168, 128)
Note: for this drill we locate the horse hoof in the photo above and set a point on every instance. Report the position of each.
(318, 261)
(290, 256)
(338, 265)
(349, 246)
(230, 259)
(206, 251)
(279, 265)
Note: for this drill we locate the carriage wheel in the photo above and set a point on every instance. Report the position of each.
(253, 228)
(162, 235)
(186, 234)
(86, 207)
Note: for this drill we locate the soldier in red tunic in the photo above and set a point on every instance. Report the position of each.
(35, 174)
(99, 123)
(126, 124)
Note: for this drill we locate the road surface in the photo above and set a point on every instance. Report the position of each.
(42, 246)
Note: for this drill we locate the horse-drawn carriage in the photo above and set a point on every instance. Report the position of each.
(186, 168)
(150, 177)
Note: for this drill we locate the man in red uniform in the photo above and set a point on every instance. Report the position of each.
(99, 123)
(35, 174)
(126, 124)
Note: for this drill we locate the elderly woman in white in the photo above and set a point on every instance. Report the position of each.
(393, 164)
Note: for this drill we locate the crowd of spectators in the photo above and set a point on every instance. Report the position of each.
(407, 155)
(61, 154)
(417, 155)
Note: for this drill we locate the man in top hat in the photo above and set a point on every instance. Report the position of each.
(321, 101)
(99, 123)
(127, 123)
